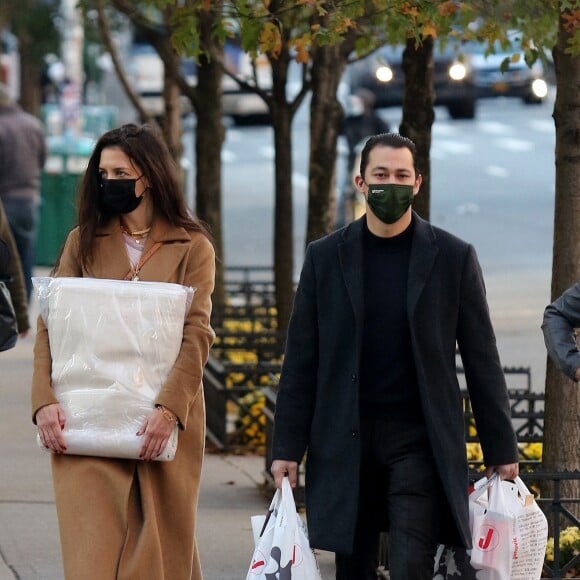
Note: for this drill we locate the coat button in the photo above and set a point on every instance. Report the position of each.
(353, 378)
(355, 433)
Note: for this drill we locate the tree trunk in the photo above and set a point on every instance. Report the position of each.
(561, 449)
(171, 124)
(418, 113)
(209, 137)
(326, 115)
(283, 211)
(30, 97)
(172, 128)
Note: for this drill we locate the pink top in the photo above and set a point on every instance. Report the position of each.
(134, 248)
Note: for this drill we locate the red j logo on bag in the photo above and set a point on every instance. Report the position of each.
(258, 563)
(488, 539)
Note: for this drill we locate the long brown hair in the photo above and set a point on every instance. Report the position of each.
(147, 149)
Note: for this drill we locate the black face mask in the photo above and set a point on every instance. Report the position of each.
(389, 201)
(118, 195)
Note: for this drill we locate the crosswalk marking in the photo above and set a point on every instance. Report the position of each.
(542, 125)
(513, 144)
(446, 141)
(494, 127)
(497, 171)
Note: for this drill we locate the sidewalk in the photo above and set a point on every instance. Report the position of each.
(29, 544)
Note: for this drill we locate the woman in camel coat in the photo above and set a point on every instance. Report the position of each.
(127, 519)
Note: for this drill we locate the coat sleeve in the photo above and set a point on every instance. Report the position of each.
(560, 319)
(297, 389)
(184, 383)
(483, 371)
(42, 391)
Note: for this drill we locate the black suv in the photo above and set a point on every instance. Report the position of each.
(381, 72)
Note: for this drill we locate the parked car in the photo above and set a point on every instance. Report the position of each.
(382, 73)
(244, 105)
(145, 70)
(463, 72)
(518, 79)
(146, 75)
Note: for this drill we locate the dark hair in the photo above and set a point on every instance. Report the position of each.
(146, 148)
(394, 140)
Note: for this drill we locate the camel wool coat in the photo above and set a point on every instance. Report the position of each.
(127, 519)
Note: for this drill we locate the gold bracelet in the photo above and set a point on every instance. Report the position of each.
(169, 415)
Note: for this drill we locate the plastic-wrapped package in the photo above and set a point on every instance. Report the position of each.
(113, 343)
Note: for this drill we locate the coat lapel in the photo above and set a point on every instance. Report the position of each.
(112, 260)
(423, 252)
(175, 243)
(350, 252)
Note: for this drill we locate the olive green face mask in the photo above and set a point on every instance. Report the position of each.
(389, 201)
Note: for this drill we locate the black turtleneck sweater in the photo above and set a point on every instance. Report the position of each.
(388, 385)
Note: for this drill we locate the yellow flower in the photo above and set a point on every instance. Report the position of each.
(569, 545)
(474, 452)
(532, 450)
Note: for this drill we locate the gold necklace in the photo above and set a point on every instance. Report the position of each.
(136, 233)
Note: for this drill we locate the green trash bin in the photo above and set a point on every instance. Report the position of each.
(67, 160)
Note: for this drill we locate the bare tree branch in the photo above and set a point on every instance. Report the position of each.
(105, 31)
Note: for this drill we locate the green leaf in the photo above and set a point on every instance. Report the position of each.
(505, 64)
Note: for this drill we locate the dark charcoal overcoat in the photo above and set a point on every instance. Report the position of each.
(317, 406)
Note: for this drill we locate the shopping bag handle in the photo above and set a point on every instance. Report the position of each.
(482, 486)
(274, 505)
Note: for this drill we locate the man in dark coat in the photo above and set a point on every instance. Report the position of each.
(23, 152)
(11, 273)
(369, 388)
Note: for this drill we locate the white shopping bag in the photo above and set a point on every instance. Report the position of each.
(282, 550)
(531, 534)
(508, 503)
(492, 530)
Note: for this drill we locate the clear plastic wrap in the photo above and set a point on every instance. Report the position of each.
(113, 344)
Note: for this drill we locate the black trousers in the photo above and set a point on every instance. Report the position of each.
(401, 493)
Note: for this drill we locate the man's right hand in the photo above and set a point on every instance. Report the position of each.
(280, 468)
(50, 421)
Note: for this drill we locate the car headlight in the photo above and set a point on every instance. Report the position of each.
(540, 88)
(457, 71)
(384, 74)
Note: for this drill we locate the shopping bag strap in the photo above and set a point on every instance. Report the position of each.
(274, 505)
(482, 486)
(133, 273)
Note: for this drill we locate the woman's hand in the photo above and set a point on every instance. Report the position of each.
(50, 421)
(156, 431)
